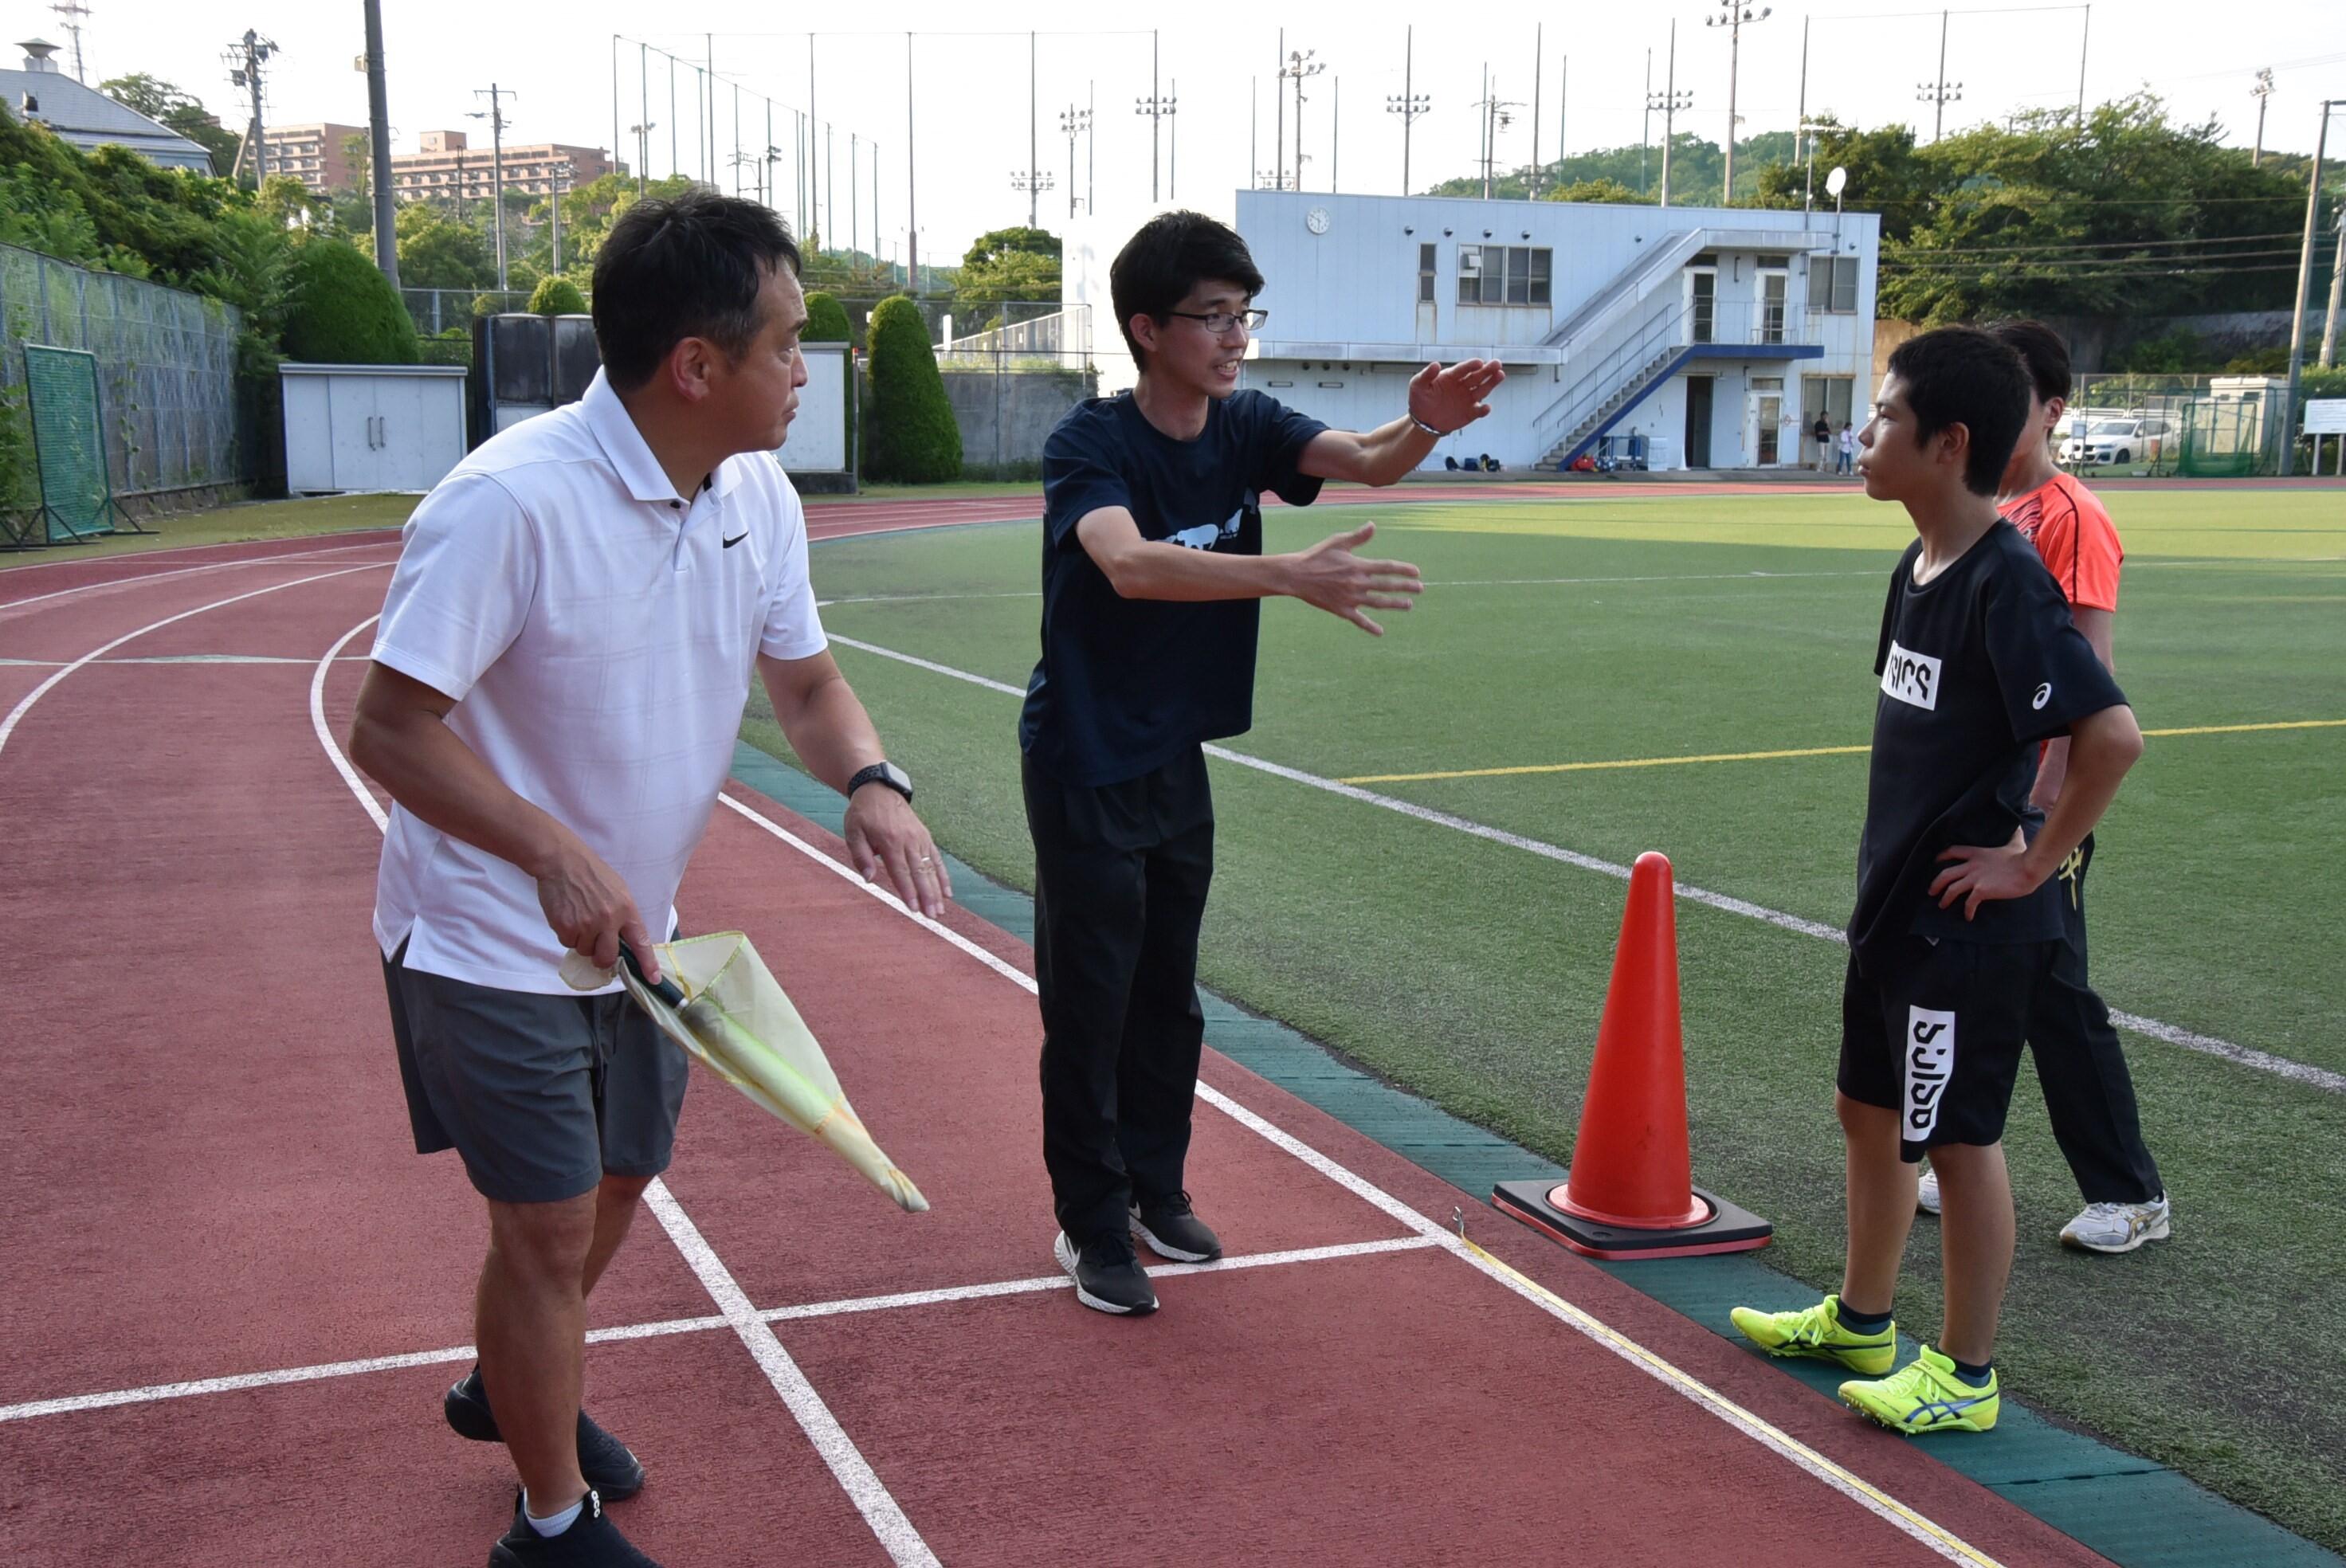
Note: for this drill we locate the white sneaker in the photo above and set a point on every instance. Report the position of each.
(1926, 1193)
(2118, 1227)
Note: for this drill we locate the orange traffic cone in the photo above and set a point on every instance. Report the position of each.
(1630, 1192)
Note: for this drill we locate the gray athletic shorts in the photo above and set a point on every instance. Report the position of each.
(542, 1095)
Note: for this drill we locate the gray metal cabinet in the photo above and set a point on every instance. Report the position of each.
(371, 427)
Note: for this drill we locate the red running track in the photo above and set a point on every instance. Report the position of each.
(207, 1149)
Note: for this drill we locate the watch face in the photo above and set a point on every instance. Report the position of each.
(1316, 220)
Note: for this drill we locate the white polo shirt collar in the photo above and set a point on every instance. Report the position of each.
(631, 457)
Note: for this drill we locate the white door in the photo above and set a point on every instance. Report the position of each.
(357, 449)
(1773, 287)
(1764, 424)
(402, 433)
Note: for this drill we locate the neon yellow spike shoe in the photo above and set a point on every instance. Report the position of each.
(1817, 1331)
(1925, 1396)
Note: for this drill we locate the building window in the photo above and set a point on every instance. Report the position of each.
(1833, 283)
(1425, 274)
(1504, 275)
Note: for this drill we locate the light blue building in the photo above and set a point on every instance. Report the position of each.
(86, 119)
(1715, 335)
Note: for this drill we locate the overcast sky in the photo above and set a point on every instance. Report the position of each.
(1865, 60)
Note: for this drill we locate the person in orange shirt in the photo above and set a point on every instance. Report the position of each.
(2088, 1093)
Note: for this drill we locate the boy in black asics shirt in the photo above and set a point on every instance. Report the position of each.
(1957, 918)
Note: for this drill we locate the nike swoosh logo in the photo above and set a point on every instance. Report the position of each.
(735, 540)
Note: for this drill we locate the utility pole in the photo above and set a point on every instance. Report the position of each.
(1278, 112)
(1173, 139)
(386, 228)
(1496, 118)
(643, 127)
(1807, 133)
(245, 59)
(1563, 101)
(1073, 122)
(1645, 137)
(1335, 130)
(1736, 15)
(1941, 93)
(2084, 33)
(1035, 182)
(1800, 120)
(2262, 91)
(73, 11)
(495, 115)
(1156, 105)
(1670, 101)
(2337, 293)
(1032, 185)
(561, 173)
(1300, 67)
(855, 170)
(2304, 289)
(814, 177)
(1091, 148)
(1409, 105)
(911, 193)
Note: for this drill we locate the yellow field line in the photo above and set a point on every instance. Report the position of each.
(1773, 756)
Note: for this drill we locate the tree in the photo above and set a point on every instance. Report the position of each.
(1008, 264)
(342, 310)
(990, 248)
(437, 250)
(1606, 190)
(177, 110)
(912, 437)
(557, 296)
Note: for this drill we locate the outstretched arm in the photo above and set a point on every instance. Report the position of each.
(1441, 402)
(1328, 574)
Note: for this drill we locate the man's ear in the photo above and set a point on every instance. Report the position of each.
(1145, 331)
(1954, 443)
(2055, 407)
(690, 367)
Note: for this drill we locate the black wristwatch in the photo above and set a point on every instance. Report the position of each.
(886, 773)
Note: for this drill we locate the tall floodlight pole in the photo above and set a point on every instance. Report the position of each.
(814, 173)
(495, 115)
(1800, 135)
(387, 232)
(912, 208)
(644, 115)
(1941, 93)
(1034, 134)
(2304, 289)
(1734, 14)
(1335, 129)
(854, 174)
(1300, 67)
(1563, 101)
(1539, 79)
(1091, 147)
(557, 177)
(1073, 122)
(1278, 111)
(1409, 105)
(1173, 139)
(1670, 101)
(1032, 186)
(1645, 137)
(2084, 33)
(2262, 91)
(1156, 105)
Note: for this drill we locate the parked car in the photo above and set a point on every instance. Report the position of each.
(2104, 443)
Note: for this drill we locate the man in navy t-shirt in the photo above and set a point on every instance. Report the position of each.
(1958, 924)
(1153, 574)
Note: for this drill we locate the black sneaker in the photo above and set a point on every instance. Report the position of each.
(1108, 1274)
(591, 1542)
(604, 1461)
(1173, 1231)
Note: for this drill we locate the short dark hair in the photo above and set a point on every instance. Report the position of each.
(1963, 375)
(1172, 254)
(2042, 350)
(682, 266)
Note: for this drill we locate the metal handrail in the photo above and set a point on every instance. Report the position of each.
(1667, 329)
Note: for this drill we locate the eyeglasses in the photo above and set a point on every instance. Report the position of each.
(1221, 321)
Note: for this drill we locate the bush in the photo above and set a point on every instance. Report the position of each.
(557, 296)
(911, 438)
(341, 311)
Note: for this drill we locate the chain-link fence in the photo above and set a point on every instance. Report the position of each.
(435, 310)
(1007, 400)
(2187, 426)
(166, 369)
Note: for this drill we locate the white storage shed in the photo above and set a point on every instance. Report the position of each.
(371, 427)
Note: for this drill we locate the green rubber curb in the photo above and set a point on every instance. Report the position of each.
(2135, 1512)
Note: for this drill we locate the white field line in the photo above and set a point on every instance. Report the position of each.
(1907, 1521)
(135, 578)
(73, 1404)
(166, 658)
(2313, 1077)
(17, 714)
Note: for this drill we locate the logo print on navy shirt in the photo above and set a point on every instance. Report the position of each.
(1206, 536)
(1912, 677)
(2044, 695)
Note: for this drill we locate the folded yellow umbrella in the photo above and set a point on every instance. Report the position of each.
(718, 1000)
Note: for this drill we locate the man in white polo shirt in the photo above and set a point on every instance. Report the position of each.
(557, 684)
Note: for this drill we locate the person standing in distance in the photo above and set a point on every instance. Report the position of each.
(1152, 572)
(2080, 1064)
(556, 686)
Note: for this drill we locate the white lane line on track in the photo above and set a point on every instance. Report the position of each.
(2313, 1077)
(136, 578)
(837, 1450)
(160, 660)
(1905, 1520)
(17, 714)
(278, 1376)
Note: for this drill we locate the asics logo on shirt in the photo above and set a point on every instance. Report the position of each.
(1930, 1063)
(1911, 677)
(2044, 695)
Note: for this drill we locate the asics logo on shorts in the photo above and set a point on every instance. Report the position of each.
(1911, 677)
(1930, 1063)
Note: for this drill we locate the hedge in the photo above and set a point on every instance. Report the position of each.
(914, 439)
(342, 310)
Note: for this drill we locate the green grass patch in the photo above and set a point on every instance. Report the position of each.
(238, 525)
(1473, 973)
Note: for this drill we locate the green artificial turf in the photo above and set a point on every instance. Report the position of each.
(1473, 973)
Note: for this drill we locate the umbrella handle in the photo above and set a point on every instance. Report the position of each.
(668, 990)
